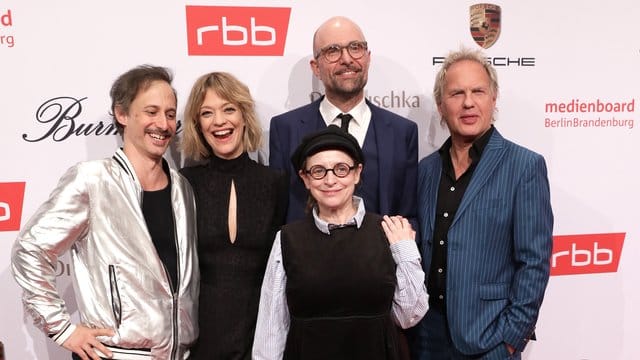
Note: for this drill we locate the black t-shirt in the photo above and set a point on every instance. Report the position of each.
(158, 214)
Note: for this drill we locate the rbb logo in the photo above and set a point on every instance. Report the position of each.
(228, 30)
(11, 197)
(586, 254)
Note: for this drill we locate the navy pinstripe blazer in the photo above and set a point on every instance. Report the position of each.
(499, 246)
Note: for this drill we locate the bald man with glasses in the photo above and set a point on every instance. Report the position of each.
(341, 58)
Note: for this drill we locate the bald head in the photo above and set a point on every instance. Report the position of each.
(344, 77)
(336, 30)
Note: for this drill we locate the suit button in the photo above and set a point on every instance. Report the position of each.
(446, 214)
(440, 270)
(441, 242)
(441, 297)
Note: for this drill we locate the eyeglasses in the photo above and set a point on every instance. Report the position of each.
(340, 170)
(332, 53)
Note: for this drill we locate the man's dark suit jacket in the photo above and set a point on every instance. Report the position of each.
(396, 139)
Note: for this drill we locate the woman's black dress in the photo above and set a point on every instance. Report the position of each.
(231, 273)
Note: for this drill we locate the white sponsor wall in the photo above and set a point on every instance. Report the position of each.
(59, 58)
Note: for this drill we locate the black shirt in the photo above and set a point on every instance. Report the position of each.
(158, 214)
(450, 193)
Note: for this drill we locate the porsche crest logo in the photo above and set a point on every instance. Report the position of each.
(484, 23)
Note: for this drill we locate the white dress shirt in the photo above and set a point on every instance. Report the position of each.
(357, 126)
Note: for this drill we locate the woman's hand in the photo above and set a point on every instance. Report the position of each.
(397, 228)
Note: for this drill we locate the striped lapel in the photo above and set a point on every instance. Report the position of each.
(491, 158)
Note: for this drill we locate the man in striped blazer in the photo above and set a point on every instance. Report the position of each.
(486, 225)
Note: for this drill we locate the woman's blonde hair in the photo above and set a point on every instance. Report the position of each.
(230, 89)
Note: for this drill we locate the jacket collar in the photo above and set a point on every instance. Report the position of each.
(121, 159)
(492, 156)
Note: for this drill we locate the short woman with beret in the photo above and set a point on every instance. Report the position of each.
(339, 280)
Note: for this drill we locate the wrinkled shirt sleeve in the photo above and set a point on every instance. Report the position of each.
(410, 301)
(273, 315)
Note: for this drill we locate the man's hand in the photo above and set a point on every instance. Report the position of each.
(510, 349)
(84, 343)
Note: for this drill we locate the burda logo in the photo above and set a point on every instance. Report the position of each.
(230, 30)
(586, 253)
(11, 198)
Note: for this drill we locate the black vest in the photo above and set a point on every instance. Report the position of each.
(339, 292)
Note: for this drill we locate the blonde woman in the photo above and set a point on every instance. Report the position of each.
(241, 205)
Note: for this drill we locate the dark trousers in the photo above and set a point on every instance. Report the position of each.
(436, 344)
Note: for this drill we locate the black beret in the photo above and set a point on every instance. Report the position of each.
(330, 138)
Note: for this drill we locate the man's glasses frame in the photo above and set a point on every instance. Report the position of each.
(332, 53)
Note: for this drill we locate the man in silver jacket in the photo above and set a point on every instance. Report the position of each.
(129, 224)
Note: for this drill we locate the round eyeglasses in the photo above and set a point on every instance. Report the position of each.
(332, 53)
(340, 170)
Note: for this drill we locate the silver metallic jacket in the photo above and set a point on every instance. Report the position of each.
(120, 282)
